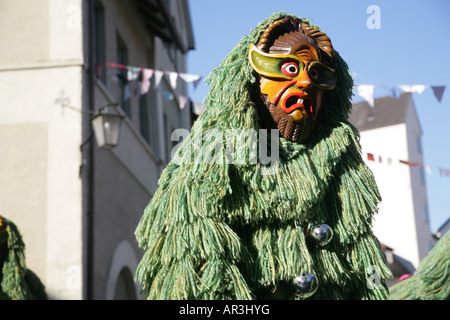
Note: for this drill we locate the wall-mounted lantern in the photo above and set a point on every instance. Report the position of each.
(106, 124)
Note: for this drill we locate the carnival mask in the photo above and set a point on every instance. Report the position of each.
(293, 81)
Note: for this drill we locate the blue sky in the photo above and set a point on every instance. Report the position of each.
(410, 47)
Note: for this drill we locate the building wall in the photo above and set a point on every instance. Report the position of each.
(125, 178)
(400, 223)
(40, 187)
(394, 225)
(44, 176)
(422, 221)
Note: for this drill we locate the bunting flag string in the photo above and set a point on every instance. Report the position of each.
(139, 79)
(371, 157)
(140, 76)
(366, 91)
(133, 74)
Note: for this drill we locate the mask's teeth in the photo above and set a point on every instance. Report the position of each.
(300, 101)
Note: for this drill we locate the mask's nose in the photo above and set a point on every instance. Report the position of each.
(303, 82)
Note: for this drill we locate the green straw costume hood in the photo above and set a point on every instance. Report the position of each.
(241, 229)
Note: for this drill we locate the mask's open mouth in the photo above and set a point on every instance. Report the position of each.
(301, 102)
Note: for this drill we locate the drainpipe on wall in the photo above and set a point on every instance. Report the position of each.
(88, 289)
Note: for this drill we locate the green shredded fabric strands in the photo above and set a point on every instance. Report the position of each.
(432, 279)
(215, 230)
(17, 282)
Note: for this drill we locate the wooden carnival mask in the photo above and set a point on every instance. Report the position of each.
(293, 61)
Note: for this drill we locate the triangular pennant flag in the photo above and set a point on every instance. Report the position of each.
(196, 82)
(189, 77)
(166, 94)
(158, 77)
(366, 91)
(146, 76)
(132, 73)
(136, 89)
(438, 92)
(395, 92)
(173, 76)
(182, 101)
(428, 169)
(198, 108)
(419, 88)
(444, 172)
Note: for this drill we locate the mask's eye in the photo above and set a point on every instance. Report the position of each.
(313, 74)
(290, 69)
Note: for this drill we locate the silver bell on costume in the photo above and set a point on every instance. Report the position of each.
(305, 285)
(321, 233)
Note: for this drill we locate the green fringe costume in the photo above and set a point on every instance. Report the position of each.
(227, 231)
(432, 279)
(17, 282)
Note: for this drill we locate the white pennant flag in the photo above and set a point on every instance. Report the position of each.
(173, 76)
(366, 91)
(158, 77)
(146, 76)
(198, 108)
(419, 88)
(191, 78)
(182, 101)
(132, 73)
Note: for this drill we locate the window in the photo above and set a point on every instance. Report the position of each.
(418, 145)
(425, 212)
(153, 123)
(122, 58)
(144, 118)
(422, 175)
(148, 124)
(172, 52)
(100, 41)
(168, 130)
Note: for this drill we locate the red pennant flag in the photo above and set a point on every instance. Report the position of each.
(410, 163)
(370, 157)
